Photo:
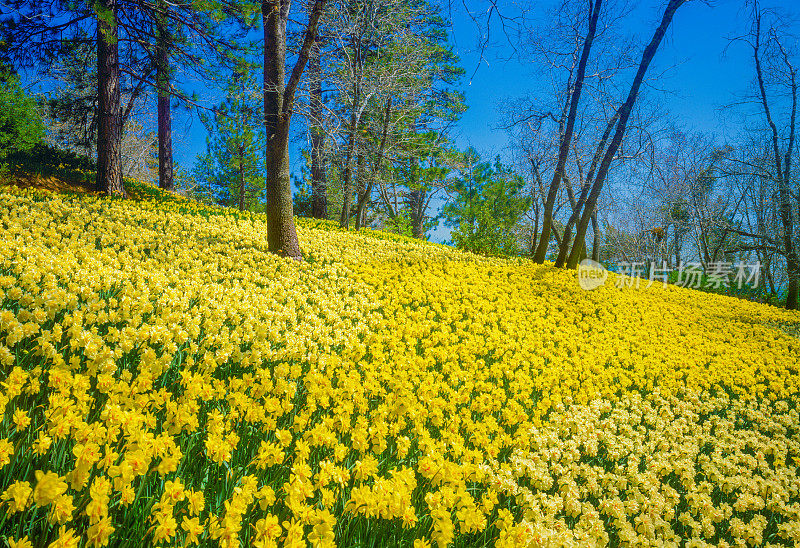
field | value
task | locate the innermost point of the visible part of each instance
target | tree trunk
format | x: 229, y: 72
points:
x: 596, y: 242
x: 165, y: 166
x: 418, y: 213
x: 624, y: 113
x: 566, y: 138
x: 241, y: 177
x: 563, y: 247
x: 792, y: 260
x: 360, y: 185
x: 278, y: 105
x: 344, y: 220
x: 782, y: 173
x: 362, y: 200
x: 415, y: 199
x: 109, y: 128
x: 319, y: 175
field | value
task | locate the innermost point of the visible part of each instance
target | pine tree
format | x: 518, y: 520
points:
x: 124, y: 33
x: 231, y: 171
x: 486, y: 209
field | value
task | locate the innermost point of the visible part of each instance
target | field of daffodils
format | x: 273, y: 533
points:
x: 166, y: 381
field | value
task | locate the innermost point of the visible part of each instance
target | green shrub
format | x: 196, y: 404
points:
x: 21, y: 126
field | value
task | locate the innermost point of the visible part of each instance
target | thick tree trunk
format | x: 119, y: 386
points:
x: 109, y: 127
x: 278, y: 105
x: 319, y: 175
x: 166, y: 178
x: 566, y: 138
x: 624, y: 113
x: 281, y: 233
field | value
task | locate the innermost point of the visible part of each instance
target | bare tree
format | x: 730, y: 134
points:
x: 367, y: 36
x: 580, y: 50
x: 389, y: 68
x: 619, y: 122
x: 782, y: 166
x: 766, y: 173
x: 566, y: 128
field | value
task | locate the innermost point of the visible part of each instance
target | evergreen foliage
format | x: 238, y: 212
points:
x: 486, y: 208
x: 21, y: 126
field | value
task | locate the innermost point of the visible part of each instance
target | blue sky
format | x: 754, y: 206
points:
x: 700, y: 81
x: 704, y: 75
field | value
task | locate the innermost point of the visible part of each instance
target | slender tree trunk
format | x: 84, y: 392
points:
x: 418, y: 213
x: 344, y: 220
x: 563, y: 248
x: 363, y: 199
x: 241, y: 177
x: 415, y: 199
x: 768, y: 275
x: 165, y: 166
x: 566, y: 138
x: 596, y: 242
x: 624, y: 113
x: 556, y: 235
x: 704, y: 246
x: 109, y: 127
x: 319, y: 175
x: 278, y: 106
x: 792, y: 259
x: 137, y: 91
x: 360, y: 185
x: 782, y: 172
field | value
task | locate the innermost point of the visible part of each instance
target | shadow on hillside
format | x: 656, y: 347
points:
x: 47, y: 168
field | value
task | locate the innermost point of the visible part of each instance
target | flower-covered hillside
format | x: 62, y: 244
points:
x: 167, y: 381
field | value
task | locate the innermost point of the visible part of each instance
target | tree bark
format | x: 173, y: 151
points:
x: 166, y: 178
x: 344, y: 220
x: 566, y: 138
x: 109, y: 128
x: 563, y: 248
x: 242, y: 185
x: 417, y: 199
x: 624, y: 113
x: 319, y: 183
x: 782, y: 172
x: 278, y: 106
x: 360, y: 185
x: 364, y: 198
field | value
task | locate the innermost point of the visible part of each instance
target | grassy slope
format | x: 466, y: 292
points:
x: 377, y: 348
